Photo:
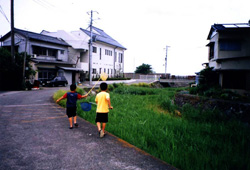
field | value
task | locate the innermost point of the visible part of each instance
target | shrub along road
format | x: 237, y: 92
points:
x: 34, y: 134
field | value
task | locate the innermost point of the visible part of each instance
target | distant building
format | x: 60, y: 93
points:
x: 229, y: 54
x: 67, y: 53
x: 49, y: 54
x: 107, y: 53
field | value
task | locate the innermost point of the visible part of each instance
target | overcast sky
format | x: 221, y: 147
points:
x: 144, y: 27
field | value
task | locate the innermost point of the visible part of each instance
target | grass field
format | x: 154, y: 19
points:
x: 185, y: 137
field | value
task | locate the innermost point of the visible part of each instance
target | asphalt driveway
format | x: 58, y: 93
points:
x: 34, y: 135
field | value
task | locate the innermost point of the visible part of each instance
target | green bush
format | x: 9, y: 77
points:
x: 110, y: 87
x: 59, y: 94
x: 118, y: 84
x: 134, y: 90
x: 193, y: 90
x: 80, y: 90
x: 213, y: 92
x: 166, y: 103
x: 141, y: 85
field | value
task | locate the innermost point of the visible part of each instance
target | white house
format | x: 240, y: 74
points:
x: 107, y: 53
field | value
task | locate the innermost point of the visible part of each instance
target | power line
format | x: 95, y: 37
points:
x: 43, y: 4
x: 2, y: 11
x: 46, y: 2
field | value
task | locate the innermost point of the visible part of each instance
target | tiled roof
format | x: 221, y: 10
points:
x: 103, y: 37
x: 39, y: 37
x: 223, y: 27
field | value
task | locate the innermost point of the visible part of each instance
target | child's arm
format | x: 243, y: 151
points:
x: 109, y: 103
x: 58, y: 100
x: 84, y: 96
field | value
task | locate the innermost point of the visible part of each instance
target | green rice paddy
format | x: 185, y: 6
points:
x: 186, y: 137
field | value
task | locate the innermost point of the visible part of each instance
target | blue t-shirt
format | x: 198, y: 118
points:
x: 72, y: 98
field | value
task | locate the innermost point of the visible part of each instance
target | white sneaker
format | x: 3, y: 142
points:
x: 101, y: 134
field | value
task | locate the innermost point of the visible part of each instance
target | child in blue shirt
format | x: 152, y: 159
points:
x: 72, y: 97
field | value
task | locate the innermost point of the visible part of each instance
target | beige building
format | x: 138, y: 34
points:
x: 49, y: 54
x: 229, y: 54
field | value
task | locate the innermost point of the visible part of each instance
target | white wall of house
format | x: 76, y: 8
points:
x: 78, y: 40
x: 212, y: 62
x: 106, y: 59
x: 101, y: 60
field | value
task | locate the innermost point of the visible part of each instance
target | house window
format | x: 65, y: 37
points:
x: 108, y: 52
x: 52, y: 52
x: 94, y: 49
x: 105, y: 70
x: 82, y: 57
x: 46, y: 74
x: 39, y: 50
x: 120, y: 57
x: 108, y: 71
x: 115, y: 56
x: 62, y: 52
x: 230, y: 45
x: 93, y: 71
x: 100, y: 70
x: 100, y: 53
x: 211, y: 50
x: 44, y: 51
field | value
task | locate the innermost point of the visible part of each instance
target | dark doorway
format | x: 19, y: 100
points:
x: 234, y: 80
x: 73, y: 77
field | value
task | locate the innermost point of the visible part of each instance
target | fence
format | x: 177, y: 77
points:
x: 158, y: 76
x: 150, y: 77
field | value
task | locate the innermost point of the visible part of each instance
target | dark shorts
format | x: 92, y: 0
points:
x: 71, y: 111
x: 101, y: 117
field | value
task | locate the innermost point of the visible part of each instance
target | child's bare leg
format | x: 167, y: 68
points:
x: 103, y: 127
x: 98, y: 126
x: 70, y: 121
x: 75, y: 120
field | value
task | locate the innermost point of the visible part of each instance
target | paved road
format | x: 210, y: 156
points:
x: 34, y: 135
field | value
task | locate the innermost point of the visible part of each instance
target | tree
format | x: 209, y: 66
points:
x: 209, y: 77
x: 11, y: 74
x: 144, y: 69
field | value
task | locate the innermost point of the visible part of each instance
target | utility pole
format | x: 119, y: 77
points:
x: 24, y: 59
x: 166, y: 60
x: 12, y: 31
x: 90, y: 47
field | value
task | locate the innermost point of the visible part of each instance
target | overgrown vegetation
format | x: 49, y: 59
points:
x: 209, y: 86
x: 187, y: 138
x: 11, y: 73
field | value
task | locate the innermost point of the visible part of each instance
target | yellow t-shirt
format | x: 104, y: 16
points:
x: 102, y: 102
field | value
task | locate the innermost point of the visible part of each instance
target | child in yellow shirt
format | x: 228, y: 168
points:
x: 103, y: 105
